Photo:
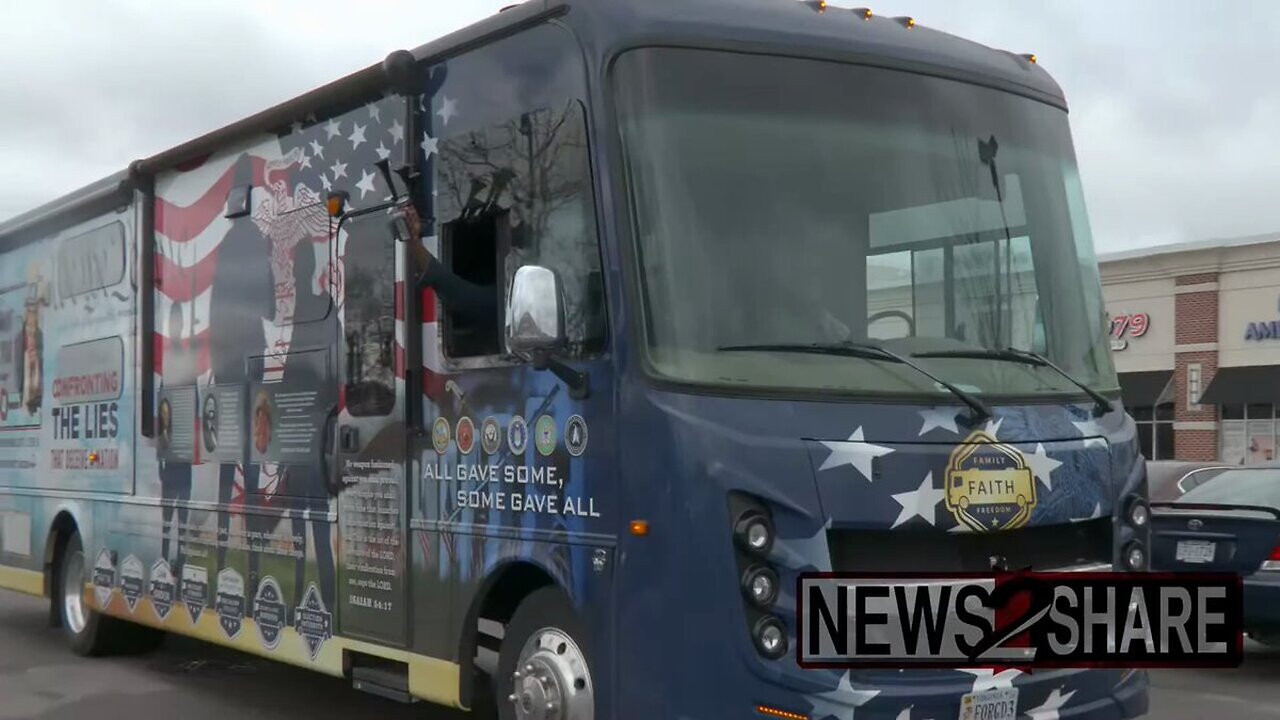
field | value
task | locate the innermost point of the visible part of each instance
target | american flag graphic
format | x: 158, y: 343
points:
x: 291, y: 173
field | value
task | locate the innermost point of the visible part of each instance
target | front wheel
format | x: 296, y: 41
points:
x: 89, y: 632
x: 544, y: 671
x: 86, y: 629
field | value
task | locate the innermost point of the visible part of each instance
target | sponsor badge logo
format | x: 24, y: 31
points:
x: 989, y: 485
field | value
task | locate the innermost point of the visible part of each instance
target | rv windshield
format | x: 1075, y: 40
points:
x: 786, y: 202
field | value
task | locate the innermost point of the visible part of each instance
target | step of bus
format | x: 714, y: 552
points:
x: 384, y: 678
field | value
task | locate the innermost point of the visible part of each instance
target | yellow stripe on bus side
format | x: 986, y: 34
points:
x: 30, y: 582
x: 430, y: 678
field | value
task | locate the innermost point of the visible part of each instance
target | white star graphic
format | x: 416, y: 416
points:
x: 448, y: 108
x: 397, y: 131
x: 801, y: 552
x: 1042, y: 466
x: 317, y: 149
x: 375, y: 113
x: 944, y: 418
x: 339, y: 170
x: 854, y: 451
x: 365, y: 186
x: 993, y: 427
x: 306, y: 160
x: 988, y: 679
x: 297, y: 126
x: 383, y: 152
x: 357, y: 136
x: 841, y: 702
x: 428, y: 144
x: 1049, y: 710
x: 921, y: 502
x: 333, y: 129
x: 1097, y: 513
x: 324, y: 180
x: 1092, y: 433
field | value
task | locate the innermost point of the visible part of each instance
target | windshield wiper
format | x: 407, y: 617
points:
x: 1026, y: 357
x: 867, y: 351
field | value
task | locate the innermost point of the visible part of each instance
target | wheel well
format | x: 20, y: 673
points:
x: 496, y: 600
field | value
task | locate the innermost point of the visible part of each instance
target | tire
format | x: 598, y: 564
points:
x: 89, y: 632
x: 545, y: 635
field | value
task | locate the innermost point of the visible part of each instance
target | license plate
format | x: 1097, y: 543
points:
x: 998, y: 704
x: 1195, y: 551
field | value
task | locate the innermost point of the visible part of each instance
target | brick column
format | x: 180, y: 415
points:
x: 1195, y: 323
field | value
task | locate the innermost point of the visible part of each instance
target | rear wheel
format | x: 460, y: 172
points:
x: 544, y: 671
x: 89, y: 632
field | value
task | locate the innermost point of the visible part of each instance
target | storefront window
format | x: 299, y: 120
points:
x: 1248, y: 434
x: 1155, y: 430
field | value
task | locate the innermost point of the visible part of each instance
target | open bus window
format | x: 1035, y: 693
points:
x: 474, y: 250
x: 369, y: 269
x: 509, y: 195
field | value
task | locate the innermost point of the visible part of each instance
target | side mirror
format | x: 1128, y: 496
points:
x: 535, y: 312
x: 535, y: 326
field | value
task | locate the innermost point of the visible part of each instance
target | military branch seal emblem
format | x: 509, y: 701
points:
x: 440, y: 435
x: 490, y: 436
x: 575, y: 435
x: 517, y: 436
x: 989, y: 485
x: 545, y: 434
x: 466, y: 435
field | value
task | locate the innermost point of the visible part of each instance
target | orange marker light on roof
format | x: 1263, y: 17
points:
x: 639, y: 528
x: 864, y: 13
x: 909, y: 23
x: 1031, y: 58
x: 774, y: 712
x: 336, y: 203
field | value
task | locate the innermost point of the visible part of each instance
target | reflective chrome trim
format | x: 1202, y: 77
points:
x: 1087, y: 567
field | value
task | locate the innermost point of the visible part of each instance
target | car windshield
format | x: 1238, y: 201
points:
x: 783, y: 201
x: 1238, y: 487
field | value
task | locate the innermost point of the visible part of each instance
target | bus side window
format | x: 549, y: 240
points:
x: 515, y: 194
x: 369, y: 267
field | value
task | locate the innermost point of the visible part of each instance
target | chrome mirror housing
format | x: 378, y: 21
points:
x: 535, y: 312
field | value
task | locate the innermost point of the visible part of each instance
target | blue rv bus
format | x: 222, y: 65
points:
x: 525, y: 371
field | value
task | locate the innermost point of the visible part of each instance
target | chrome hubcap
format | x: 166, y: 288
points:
x: 551, y: 680
x: 73, y: 610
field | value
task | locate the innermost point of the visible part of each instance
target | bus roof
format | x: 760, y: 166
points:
x: 805, y: 28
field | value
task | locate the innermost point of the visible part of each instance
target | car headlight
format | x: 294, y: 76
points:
x: 1139, y: 513
x: 760, y: 585
x: 754, y: 533
x: 770, y: 637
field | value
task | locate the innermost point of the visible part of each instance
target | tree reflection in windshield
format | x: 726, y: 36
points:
x: 796, y: 201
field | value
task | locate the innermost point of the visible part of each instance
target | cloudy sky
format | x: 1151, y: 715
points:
x: 1175, y: 109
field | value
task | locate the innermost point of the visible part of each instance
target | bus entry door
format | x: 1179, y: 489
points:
x: 370, y: 459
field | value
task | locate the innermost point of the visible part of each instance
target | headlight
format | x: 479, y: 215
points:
x: 1134, y: 556
x: 760, y: 584
x: 754, y: 533
x: 771, y: 637
x: 1139, y: 513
